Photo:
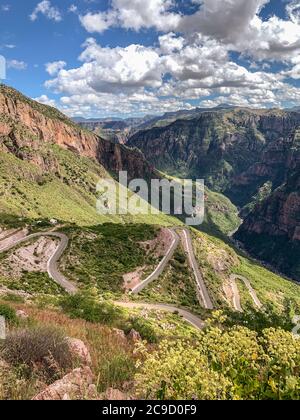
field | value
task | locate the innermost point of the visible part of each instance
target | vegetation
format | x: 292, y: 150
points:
x: 9, y: 314
x: 175, y: 286
x: 32, y: 282
x: 225, y: 364
x: 41, y: 351
x: 99, y: 256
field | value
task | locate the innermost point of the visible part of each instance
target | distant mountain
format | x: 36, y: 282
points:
x: 271, y: 231
x: 49, y: 166
x: 235, y: 151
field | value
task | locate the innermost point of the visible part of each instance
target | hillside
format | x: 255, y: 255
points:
x: 235, y: 151
x: 44, y: 154
x: 271, y: 231
x: 100, y: 338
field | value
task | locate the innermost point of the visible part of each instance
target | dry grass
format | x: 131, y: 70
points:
x: 112, y: 358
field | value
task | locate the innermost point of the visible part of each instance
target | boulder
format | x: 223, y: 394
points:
x: 77, y: 385
x: 79, y: 350
x: 134, y: 336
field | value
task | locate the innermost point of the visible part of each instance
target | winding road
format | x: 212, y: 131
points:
x: 52, y: 268
x: 236, y: 294
x: 184, y: 235
x: 186, y: 315
x: 188, y: 246
x: 55, y: 274
x: 202, y: 289
x: 161, y: 267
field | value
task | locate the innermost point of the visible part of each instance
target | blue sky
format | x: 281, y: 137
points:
x: 97, y: 58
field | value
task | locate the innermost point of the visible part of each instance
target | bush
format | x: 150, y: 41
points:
x: 86, y: 306
x: 41, y: 350
x: 145, y: 330
x: 11, y: 297
x: 235, y: 364
x: 9, y: 314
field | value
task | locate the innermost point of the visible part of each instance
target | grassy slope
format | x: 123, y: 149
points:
x: 99, y: 256
x: 175, y: 286
x: 218, y: 260
x: 66, y: 192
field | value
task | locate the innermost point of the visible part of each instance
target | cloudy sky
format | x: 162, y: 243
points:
x: 97, y: 58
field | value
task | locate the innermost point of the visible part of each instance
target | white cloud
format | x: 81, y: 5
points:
x: 133, y: 14
x: 43, y: 99
x: 54, y: 67
x: 45, y: 8
x: 16, y: 65
x: 111, y: 70
x: 97, y: 22
x: 192, y: 59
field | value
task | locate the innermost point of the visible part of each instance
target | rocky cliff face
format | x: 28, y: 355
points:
x: 272, y: 230
x: 235, y: 151
x: 25, y: 124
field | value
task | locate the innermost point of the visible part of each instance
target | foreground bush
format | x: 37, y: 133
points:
x: 233, y: 364
x: 87, y: 306
x: 41, y: 350
x: 9, y: 314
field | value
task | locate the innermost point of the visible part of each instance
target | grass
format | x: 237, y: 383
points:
x: 218, y: 261
x: 27, y: 191
x: 175, y: 286
x: 99, y: 256
x: 113, y: 358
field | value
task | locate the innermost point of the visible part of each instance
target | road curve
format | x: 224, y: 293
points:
x: 186, y: 315
x: 52, y: 268
x: 203, y: 292
x: 236, y: 294
x: 161, y: 267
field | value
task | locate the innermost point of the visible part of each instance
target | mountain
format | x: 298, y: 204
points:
x: 43, y: 154
x: 271, y: 232
x: 235, y: 151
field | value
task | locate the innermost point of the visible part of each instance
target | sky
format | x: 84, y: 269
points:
x: 124, y: 58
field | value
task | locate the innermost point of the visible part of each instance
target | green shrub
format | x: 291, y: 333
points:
x: 145, y: 330
x: 85, y: 305
x: 233, y: 364
x: 11, y: 297
x: 9, y: 314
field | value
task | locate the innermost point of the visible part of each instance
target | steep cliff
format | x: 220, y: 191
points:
x: 271, y: 231
x: 235, y: 151
x: 24, y: 124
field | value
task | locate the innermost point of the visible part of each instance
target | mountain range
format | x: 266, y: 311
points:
x: 250, y: 156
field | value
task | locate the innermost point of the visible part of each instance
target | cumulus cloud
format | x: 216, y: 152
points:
x: 192, y: 59
x: 16, y: 65
x: 43, y: 99
x: 54, y: 67
x: 111, y: 70
x: 134, y: 14
x: 45, y: 8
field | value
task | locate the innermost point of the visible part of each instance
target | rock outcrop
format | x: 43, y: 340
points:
x: 79, y: 350
x: 77, y: 385
x: 271, y: 231
x: 235, y: 151
x: 24, y: 121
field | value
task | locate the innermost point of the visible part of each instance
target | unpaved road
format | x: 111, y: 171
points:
x: 202, y: 289
x: 161, y: 267
x: 236, y: 294
x: 186, y: 315
x: 52, y: 268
